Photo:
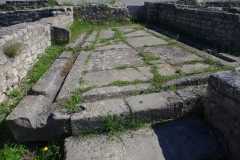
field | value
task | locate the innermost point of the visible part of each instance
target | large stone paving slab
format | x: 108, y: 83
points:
x: 111, y: 59
x: 145, y: 41
x: 155, y: 106
x: 137, y: 33
x: 106, y: 34
x: 171, y: 54
x: 184, y: 139
x: 188, y: 68
x: 106, y: 77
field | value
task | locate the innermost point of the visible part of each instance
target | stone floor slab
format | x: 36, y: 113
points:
x: 71, y: 83
x: 112, y: 47
x: 92, y: 116
x: 171, y: 54
x: 155, y: 106
x: 183, y: 139
x: 111, y: 59
x: 146, y: 71
x: 114, y: 91
x: 145, y: 41
x: 137, y: 33
x: 125, y: 29
x: 106, y: 77
x: 166, y: 69
x: 105, y: 34
x: 188, y: 68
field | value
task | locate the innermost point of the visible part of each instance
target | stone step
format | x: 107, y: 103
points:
x: 103, y: 93
x: 36, y: 119
x: 182, y: 139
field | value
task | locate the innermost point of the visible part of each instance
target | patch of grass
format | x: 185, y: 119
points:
x: 12, y: 49
x: 191, y: 62
x: 125, y: 67
x: 179, y: 71
x: 13, y: 93
x: 67, y: 4
x: 81, y: 81
x: 173, y: 88
x: 147, y: 58
x: 84, y: 72
x: 112, y: 126
x: 202, y: 81
x: 13, y: 152
x: 137, y: 92
x: 87, y: 60
x: 124, y: 83
x: 159, y: 79
x: 112, y: 2
x: 118, y: 34
x: 50, y: 152
x: 71, y: 103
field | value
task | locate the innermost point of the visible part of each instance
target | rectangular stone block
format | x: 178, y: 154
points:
x: 155, y: 106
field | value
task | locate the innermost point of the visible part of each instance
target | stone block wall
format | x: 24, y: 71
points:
x: 101, y: 13
x: 16, y: 17
x: 34, y: 38
x: 23, y: 5
x: 76, y: 2
x: 222, y: 108
x: 136, y: 12
x: 221, y: 28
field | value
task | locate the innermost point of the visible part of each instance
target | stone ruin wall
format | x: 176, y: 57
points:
x: 222, y: 108
x: 34, y: 38
x: 101, y: 13
x: 221, y: 28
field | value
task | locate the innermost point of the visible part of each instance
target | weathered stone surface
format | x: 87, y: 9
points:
x: 71, y: 82
x: 34, y: 120
x: 111, y: 59
x: 166, y: 69
x: 89, y: 40
x: 105, y: 34
x: 188, y: 68
x: 113, y: 47
x: 192, y: 97
x: 93, y: 114
x: 107, y: 77
x: 155, y: 106
x: 114, y: 91
x: 171, y: 54
x: 140, y: 33
x: 165, y: 142
x: 78, y: 42
x: 188, y: 80
x: 49, y: 84
x: 227, y: 83
x: 125, y: 29
x: 146, y: 71
x: 145, y: 41
x: 60, y: 36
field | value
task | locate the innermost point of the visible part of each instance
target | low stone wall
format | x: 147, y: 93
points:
x: 76, y: 2
x: 16, y: 17
x: 136, y: 12
x: 222, y: 108
x: 34, y: 38
x: 23, y: 5
x: 101, y: 13
x: 221, y: 28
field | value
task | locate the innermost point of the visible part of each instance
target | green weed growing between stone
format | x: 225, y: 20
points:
x: 147, y: 58
x: 12, y: 49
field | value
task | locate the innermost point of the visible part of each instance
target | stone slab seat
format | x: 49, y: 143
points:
x: 35, y: 120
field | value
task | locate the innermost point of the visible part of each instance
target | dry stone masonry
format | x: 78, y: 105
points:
x: 101, y: 13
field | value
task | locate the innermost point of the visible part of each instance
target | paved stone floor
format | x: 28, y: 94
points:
x: 121, y: 71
